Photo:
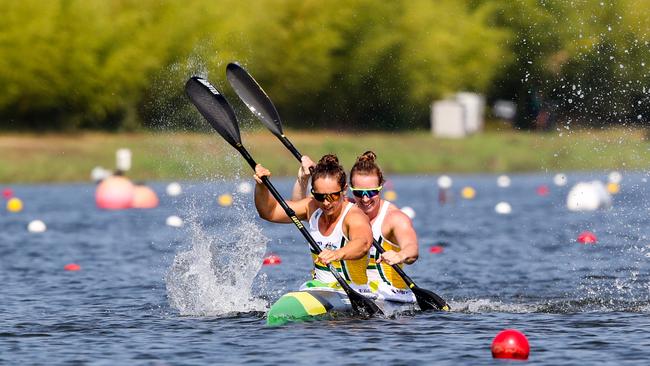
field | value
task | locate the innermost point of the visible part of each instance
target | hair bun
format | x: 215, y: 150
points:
x: 329, y: 159
x: 368, y: 156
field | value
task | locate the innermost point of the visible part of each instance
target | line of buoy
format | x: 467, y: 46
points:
x: 174, y: 189
x: 503, y: 208
x: 72, y: 267
x: 14, y: 204
x: 225, y: 200
x: 468, y: 193
x: 174, y: 221
x: 271, y: 260
x: 36, y: 226
x: 7, y: 193
x: 503, y: 181
x: 587, y: 237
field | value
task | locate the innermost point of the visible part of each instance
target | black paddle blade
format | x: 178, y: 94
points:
x: 363, y: 305
x: 252, y: 94
x: 429, y: 300
x: 214, y: 107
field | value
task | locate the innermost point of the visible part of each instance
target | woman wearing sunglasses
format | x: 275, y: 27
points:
x: 391, y: 228
x: 340, y: 228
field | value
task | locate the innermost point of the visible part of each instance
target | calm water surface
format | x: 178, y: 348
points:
x: 152, y: 294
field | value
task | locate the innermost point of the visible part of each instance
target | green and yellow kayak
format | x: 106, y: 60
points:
x: 315, y: 304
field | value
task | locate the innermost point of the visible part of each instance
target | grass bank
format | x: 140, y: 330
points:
x: 36, y: 158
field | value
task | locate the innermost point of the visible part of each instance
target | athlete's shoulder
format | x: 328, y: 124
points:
x: 395, y: 216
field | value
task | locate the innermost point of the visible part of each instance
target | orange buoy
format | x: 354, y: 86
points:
x: 144, y: 197
x: 72, y: 267
x: 271, y: 260
x: 114, y: 193
x: 436, y: 249
x: 512, y: 344
x: 587, y: 237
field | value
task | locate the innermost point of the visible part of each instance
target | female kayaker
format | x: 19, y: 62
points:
x: 391, y: 228
x: 341, y: 229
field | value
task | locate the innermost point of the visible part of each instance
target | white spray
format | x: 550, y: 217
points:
x: 215, y: 275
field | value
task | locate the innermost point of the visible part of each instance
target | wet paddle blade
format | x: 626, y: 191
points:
x: 214, y: 107
x: 252, y: 94
x: 428, y: 300
x: 363, y: 305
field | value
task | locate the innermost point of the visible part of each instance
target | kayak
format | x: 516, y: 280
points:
x: 316, y: 304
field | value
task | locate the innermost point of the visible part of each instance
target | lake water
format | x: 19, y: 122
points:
x: 152, y: 294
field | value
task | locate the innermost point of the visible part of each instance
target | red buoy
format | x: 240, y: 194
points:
x: 72, y: 267
x: 436, y: 249
x: 7, y: 193
x: 271, y: 260
x: 510, y: 343
x: 587, y: 237
x: 543, y: 190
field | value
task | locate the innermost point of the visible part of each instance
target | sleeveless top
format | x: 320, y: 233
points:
x: 353, y: 271
x: 384, y: 281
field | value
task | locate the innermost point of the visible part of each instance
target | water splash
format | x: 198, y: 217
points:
x: 475, y: 306
x: 215, y: 275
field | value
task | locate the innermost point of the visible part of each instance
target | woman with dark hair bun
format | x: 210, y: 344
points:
x: 391, y: 228
x: 341, y: 229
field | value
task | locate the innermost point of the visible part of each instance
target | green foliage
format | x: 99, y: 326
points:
x: 364, y: 64
x: 587, y: 58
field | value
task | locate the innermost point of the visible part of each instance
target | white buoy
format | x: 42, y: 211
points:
x: 408, y: 211
x: 174, y: 189
x: 245, y: 187
x: 503, y: 181
x: 174, y: 221
x: 36, y: 226
x: 560, y: 180
x: 588, y: 196
x: 503, y: 208
x: 445, y: 182
x: 123, y: 159
x: 615, y: 177
x: 98, y: 174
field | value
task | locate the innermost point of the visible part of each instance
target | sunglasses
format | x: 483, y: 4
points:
x: 368, y: 192
x: 330, y: 197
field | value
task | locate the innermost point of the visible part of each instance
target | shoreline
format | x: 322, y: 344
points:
x: 159, y: 156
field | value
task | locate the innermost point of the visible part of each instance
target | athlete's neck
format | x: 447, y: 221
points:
x: 372, y: 215
x: 334, y: 216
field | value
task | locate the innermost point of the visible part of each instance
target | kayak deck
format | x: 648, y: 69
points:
x: 315, y: 304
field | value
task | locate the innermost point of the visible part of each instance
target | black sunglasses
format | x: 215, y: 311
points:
x: 330, y: 197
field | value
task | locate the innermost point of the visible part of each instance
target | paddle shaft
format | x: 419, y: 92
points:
x: 291, y: 148
x: 292, y: 215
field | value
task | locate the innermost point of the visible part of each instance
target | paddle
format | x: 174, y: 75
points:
x: 252, y: 94
x: 217, y: 111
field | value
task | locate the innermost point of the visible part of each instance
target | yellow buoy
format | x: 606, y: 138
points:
x: 225, y: 200
x: 390, y: 196
x: 468, y: 193
x: 14, y: 205
x: 613, y: 188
